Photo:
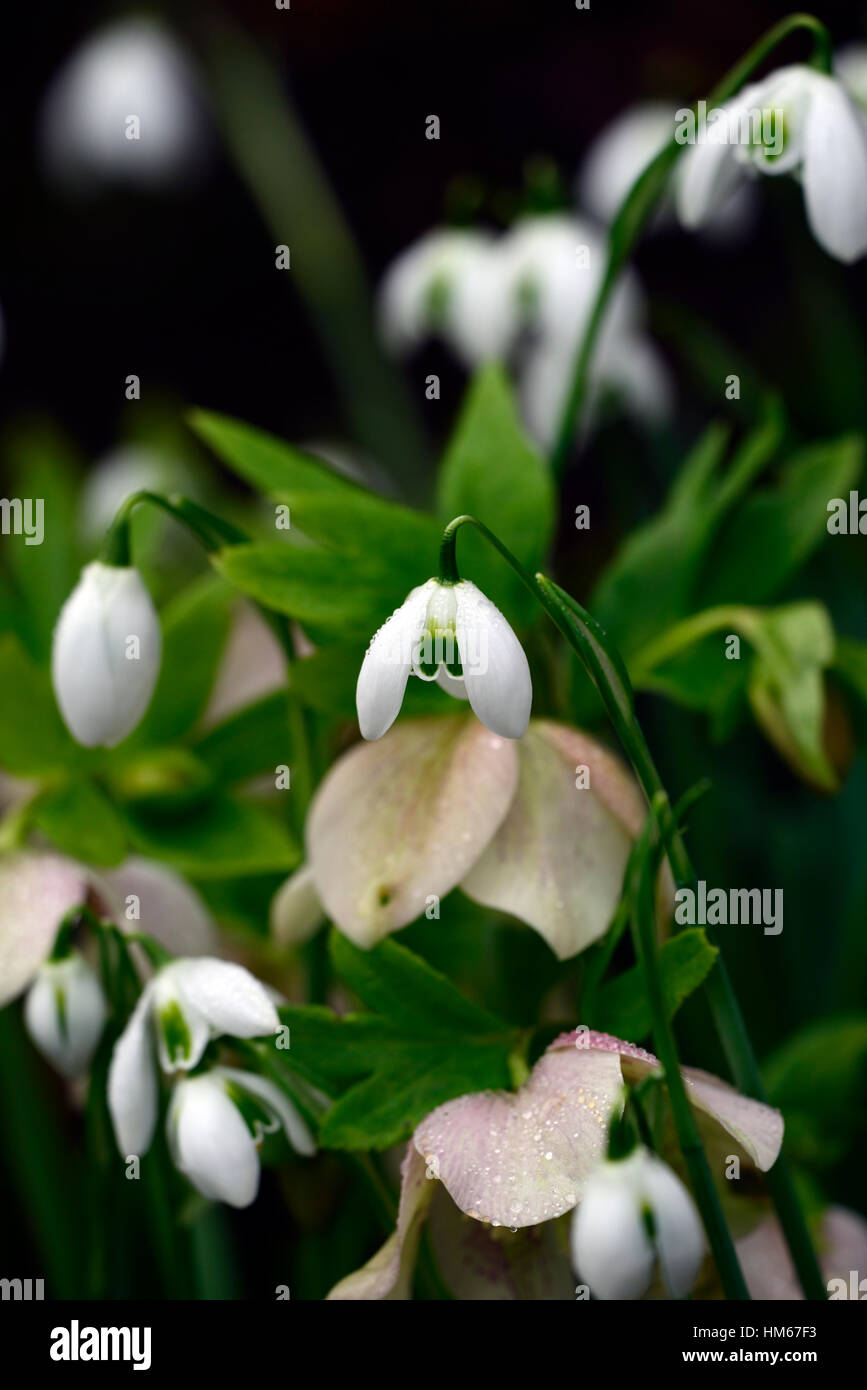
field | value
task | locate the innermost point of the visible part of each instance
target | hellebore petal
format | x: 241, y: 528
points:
x: 835, y: 170
x: 518, y: 1158
x: 210, y: 1141
x: 611, y: 1247
x: 296, y: 909
x: 388, y: 1274
x: 170, y: 910
x: 483, y: 1262
x: 132, y: 1081
x: 37, y: 890
x: 103, y: 686
x: 289, y: 1118
x: 396, y: 821
x: 65, y: 1013
x: 387, y: 663
x: 755, y: 1127
x: 496, y: 674
x: 558, y: 858
x: 228, y: 997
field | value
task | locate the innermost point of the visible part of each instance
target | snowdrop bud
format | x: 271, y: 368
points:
x: 453, y: 634
x: 635, y: 1212
x: 105, y: 657
x: 65, y: 1013
x: 217, y: 1122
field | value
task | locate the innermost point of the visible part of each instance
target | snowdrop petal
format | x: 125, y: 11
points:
x: 296, y: 910
x: 495, y: 669
x: 557, y: 861
x: 397, y: 821
x: 231, y: 999
x: 620, y: 153
x: 102, y: 686
x: 132, y: 1082
x: 708, y: 173
x: 517, y: 1158
x: 385, y: 670
x: 680, y: 1242
x: 835, y: 171
x: 611, y: 1250
x: 416, y: 292
x: 210, y: 1141
x: 453, y: 685
x: 293, y: 1123
x: 65, y: 1013
x: 37, y: 890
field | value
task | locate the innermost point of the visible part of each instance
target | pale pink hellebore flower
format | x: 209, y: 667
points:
x: 442, y: 802
x: 520, y: 1160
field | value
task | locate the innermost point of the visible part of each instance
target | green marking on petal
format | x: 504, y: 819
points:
x: 179, y: 1043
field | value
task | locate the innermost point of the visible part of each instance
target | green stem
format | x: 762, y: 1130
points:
x: 707, y: 1199
x: 641, y: 202
x: 608, y: 672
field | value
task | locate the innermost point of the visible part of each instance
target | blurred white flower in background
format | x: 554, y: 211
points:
x: 65, y: 1012
x: 131, y: 71
x: 624, y: 149
x: 114, y: 477
x: 824, y: 148
x: 527, y: 296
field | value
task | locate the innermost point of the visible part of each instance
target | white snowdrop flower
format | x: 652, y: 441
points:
x: 186, y: 1004
x: 824, y: 145
x: 636, y: 1213
x: 619, y: 154
x: 453, y: 634
x: 216, y: 1123
x: 105, y: 656
x: 850, y: 66
x: 65, y: 1013
x: 446, y: 283
x: 124, y: 108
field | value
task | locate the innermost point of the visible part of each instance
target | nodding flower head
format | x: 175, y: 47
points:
x: 453, y: 634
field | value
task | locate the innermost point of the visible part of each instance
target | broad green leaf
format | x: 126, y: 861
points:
x: 251, y: 741
x: 819, y: 1081
x: 268, y: 464
x: 493, y: 472
x: 394, y: 541
x: 33, y: 737
x: 622, y: 1005
x: 421, y: 1043
x: 42, y: 467
x: 310, y: 585
x: 220, y: 839
x: 776, y: 530
x: 80, y: 820
x: 195, y: 625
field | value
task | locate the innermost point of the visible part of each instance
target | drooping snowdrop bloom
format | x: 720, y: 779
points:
x: 453, y: 634
x: 516, y: 1162
x: 555, y: 268
x: 216, y: 1123
x: 105, y: 656
x: 124, y: 108
x: 824, y: 146
x: 447, y: 284
x: 184, y: 1006
x: 65, y: 1012
x: 636, y: 1213
x: 539, y: 828
x: 624, y: 149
